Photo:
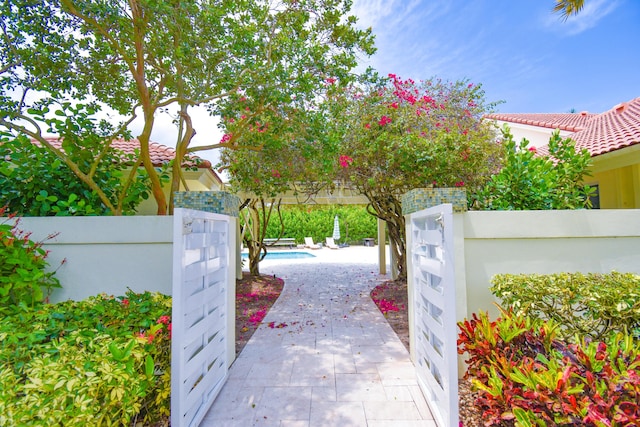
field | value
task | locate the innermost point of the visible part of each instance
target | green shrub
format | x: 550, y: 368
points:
x: 531, y: 182
x: 317, y: 222
x: 525, y: 376
x: 35, y: 182
x: 23, y: 279
x: 586, y: 305
x: 101, y: 361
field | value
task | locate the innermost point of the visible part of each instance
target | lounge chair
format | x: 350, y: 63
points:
x: 308, y: 243
x: 331, y: 244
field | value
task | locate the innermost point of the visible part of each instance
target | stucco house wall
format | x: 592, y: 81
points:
x: 612, y: 138
x: 201, y: 180
x: 536, y: 135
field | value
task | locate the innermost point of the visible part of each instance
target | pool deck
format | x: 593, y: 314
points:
x: 331, y: 358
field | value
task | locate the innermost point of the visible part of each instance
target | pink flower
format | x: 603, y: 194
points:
x: 330, y: 80
x: 533, y: 149
x: 393, y: 105
x: 164, y: 320
x: 125, y: 302
x: 275, y: 173
x: 225, y: 138
x: 257, y: 317
x: 385, y: 305
x: 460, y: 184
x: 367, y: 125
x: 345, y: 161
x: 384, y: 120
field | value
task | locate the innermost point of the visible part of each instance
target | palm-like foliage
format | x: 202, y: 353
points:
x: 568, y: 7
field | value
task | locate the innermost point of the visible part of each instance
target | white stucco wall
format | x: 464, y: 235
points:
x: 107, y: 254
x: 536, y: 135
x: 543, y: 242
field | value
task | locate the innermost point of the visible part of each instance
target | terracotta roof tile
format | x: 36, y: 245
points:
x: 570, y: 122
x: 616, y: 129
x: 160, y: 154
x: 598, y: 133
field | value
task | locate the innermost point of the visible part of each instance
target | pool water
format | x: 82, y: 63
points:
x: 284, y: 255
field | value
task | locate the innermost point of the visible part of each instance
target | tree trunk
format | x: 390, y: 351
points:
x: 256, y: 229
x: 389, y: 209
x: 255, y: 249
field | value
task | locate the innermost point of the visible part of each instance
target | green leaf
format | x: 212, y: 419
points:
x: 115, y: 351
x: 149, y: 366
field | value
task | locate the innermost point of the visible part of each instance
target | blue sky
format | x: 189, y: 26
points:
x: 521, y: 52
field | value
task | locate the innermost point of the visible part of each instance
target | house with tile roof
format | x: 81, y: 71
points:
x: 612, y: 138
x: 199, y: 174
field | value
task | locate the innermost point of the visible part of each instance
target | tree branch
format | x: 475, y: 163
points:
x: 92, y: 22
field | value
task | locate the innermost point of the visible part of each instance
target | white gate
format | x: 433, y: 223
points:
x: 431, y: 270
x: 202, y: 257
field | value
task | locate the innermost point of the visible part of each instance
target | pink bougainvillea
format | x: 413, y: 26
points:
x: 257, y: 317
x: 345, y: 161
x: 385, y: 305
x: 384, y: 120
x: 225, y: 138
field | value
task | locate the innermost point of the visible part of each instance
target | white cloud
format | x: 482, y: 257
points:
x: 165, y: 131
x: 587, y: 18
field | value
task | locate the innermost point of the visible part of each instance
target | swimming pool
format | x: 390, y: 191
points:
x: 284, y: 255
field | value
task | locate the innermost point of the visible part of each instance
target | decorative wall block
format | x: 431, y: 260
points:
x: 423, y: 198
x: 219, y: 202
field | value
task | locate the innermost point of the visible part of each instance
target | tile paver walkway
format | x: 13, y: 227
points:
x: 336, y: 363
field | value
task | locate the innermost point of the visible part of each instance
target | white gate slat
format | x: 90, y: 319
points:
x: 431, y: 237
x: 433, y: 327
x: 430, y: 294
x: 205, y: 385
x: 203, y: 358
x: 432, y: 266
x: 195, y: 270
x: 198, y: 329
x: 199, y: 347
x: 434, y: 310
x: 209, y: 295
x: 202, y: 268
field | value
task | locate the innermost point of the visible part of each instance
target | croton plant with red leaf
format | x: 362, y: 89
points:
x: 526, y: 376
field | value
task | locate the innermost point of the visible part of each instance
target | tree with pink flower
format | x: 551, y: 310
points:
x: 294, y: 154
x: 401, y: 134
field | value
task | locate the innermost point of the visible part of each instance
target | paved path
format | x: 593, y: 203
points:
x: 336, y: 363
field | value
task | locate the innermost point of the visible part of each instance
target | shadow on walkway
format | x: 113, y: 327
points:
x: 330, y: 359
